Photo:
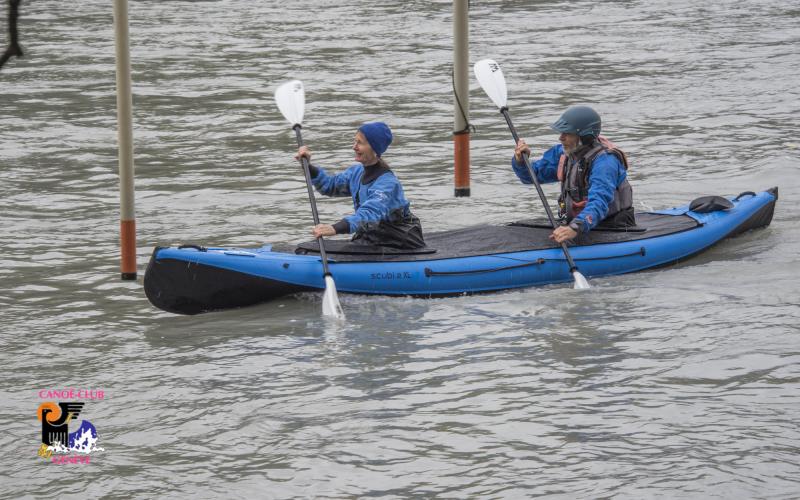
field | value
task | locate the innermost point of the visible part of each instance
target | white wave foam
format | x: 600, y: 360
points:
x: 85, y: 443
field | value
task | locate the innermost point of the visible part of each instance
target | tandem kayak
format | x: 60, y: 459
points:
x: 191, y: 279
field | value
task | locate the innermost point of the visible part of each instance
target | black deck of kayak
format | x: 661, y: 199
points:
x: 488, y: 239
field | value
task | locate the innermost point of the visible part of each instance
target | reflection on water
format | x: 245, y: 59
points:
x: 675, y: 382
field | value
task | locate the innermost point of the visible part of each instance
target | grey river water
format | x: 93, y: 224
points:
x: 677, y: 383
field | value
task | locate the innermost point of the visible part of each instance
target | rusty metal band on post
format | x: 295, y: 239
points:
x: 461, y: 159
x: 127, y: 232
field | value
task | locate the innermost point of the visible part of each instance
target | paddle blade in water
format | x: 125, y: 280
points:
x: 490, y: 76
x: 291, y: 100
x: 580, y: 281
x: 330, y: 300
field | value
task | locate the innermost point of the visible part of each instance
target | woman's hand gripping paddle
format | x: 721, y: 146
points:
x: 490, y: 77
x: 291, y: 100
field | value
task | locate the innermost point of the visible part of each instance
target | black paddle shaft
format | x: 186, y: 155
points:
x: 313, y: 201
x: 570, y: 262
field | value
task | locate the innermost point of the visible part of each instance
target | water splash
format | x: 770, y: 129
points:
x: 84, y: 440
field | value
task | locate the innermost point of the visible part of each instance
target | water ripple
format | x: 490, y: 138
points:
x: 679, y: 382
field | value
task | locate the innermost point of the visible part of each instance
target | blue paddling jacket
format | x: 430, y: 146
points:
x: 382, y: 212
x: 607, y: 188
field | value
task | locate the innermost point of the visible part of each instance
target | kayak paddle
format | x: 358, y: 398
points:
x: 490, y: 77
x: 291, y: 100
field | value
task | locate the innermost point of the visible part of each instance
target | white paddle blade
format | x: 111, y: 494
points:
x: 580, y: 281
x: 490, y: 76
x: 330, y: 300
x: 291, y: 100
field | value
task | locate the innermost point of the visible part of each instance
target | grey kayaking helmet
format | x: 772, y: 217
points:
x: 580, y: 120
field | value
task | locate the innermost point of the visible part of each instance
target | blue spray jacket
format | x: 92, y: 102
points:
x: 606, y: 175
x: 373, y: 202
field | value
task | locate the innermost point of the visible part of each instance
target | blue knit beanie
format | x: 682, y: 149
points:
x: 378, y: 135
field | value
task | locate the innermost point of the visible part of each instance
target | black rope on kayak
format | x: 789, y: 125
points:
x: 469, y: 126
x: 642, y: 251
x: 430, y: 272
x: 13, y: 44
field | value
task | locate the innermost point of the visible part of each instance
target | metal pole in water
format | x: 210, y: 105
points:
x: 461, y: 95
x: 125, y: 139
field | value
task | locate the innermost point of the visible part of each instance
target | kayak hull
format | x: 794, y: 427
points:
x: 195, y: 279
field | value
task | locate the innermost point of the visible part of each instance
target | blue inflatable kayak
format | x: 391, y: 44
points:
x: 191, y: 279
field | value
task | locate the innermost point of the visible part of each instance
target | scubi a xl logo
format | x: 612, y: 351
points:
x: 58, y: 444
